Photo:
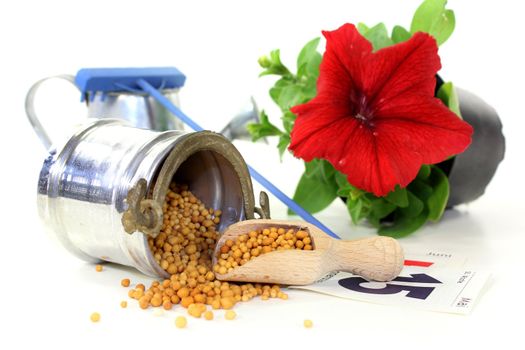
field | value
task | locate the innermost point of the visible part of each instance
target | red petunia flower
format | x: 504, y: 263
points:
x: 375, y: 117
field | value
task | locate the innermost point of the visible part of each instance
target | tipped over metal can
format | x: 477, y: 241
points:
x: 101, y: 194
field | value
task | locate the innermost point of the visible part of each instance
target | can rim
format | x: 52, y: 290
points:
x: 186, y: 146
x: 192, y: 143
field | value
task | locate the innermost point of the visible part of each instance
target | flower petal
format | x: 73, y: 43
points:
x: 374, y: 117
x: 410, y: 133
x: 369, y: 162
x: 409, y: 67
x: 342, y: 65
x: 426, y: 125
x: 319, y: 128
x: 375, y: 164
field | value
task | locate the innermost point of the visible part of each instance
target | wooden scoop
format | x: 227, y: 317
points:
x: 376, y: 258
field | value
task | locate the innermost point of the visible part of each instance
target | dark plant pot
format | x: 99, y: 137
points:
x: 470, y: 172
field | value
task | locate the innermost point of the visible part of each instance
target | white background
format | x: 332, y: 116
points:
x: 47, y: 295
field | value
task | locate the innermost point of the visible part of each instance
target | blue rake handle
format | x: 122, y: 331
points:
x: 290, y: 203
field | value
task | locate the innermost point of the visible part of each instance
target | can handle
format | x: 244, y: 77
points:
x: 31, y: 114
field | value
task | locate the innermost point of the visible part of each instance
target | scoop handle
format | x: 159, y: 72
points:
x: 375, y: 259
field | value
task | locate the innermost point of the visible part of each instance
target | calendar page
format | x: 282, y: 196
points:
x: 431, y: 281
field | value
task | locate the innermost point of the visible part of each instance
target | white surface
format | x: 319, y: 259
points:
x: 47, y: 295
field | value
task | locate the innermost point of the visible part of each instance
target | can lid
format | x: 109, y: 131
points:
x: 105, y: 80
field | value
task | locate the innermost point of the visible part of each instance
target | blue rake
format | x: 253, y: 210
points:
x: 151, y: 81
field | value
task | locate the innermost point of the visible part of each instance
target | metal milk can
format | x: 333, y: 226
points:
x: 137, y: 107
x: 101, y: 194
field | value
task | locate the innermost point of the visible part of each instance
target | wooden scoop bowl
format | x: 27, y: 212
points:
x: 375, y: 259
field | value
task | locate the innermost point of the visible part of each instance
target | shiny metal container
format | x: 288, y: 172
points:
x: 101, y: 195
x: 138, y: 108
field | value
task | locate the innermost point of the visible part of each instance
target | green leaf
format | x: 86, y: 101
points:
x: 437, y: 201
x: 378, y: 36
x: 403, y: 225
x: 356, y: 192
x: 448, y: 95
x: 380, y: 208
x: 273, y: 65
x: 420, y: 188
x: 350, y: 191
x: 424, y: 172
x: 398, y: 197
x: 431, y: 17
x: 414, y: 208
x: 354, y: 207
x: 327, y: 170
x: 320, y: 169
x: 400, y: 34
x: 344, y: 188
x: 444, y: 27
x: 263, y: 129
x: 284, y: 141
x: 288, y: 119
x: 314, y: 195
x: 308, y: 88
x: 275, y: 90
x: 286, y: 94
x: 344, y: 192
x: 309, y: 59
x: 290, y: 90
x: 358, y: 208
x: 341, y: 180
x: 312, y: 169
x: 362, y: 28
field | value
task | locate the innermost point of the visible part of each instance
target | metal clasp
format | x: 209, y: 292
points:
x: 144, y: 215
x: 264, y: 210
